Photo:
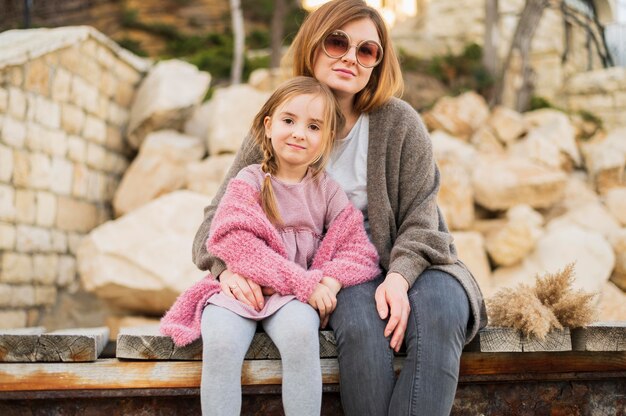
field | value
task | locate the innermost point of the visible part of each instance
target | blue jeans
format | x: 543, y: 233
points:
x: 434, y: 339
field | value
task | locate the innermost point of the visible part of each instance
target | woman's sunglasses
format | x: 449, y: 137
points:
x: 337, y: 44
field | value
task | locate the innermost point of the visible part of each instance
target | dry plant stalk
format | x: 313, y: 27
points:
x: 551, y: 304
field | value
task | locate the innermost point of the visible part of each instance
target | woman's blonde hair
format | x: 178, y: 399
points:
x: 332, y: 122
x: 386, y: 79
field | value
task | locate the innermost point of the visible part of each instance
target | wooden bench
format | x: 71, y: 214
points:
x: 571, y: 372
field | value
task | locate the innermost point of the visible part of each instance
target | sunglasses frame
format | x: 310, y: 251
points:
x: 350, y: 45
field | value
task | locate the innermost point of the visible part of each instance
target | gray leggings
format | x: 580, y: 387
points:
x: 226, y: 338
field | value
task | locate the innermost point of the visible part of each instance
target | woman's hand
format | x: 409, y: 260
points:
x: 324, y: 301
x: 242, y: 289
x: 392, y: 294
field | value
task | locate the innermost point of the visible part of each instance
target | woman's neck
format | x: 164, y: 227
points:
x: 346, y: 104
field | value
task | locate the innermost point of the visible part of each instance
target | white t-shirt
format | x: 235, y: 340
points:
x: 348, y: 165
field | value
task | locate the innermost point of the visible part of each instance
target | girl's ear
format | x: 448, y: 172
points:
x: 267, y: 122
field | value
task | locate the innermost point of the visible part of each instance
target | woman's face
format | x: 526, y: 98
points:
x: 344, y: 76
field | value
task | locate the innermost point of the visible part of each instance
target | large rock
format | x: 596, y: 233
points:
x: 456, y: 197
x: 615, y: 200
x: 159, y: 168
x: 512, y: 242
x: 540, y: 151
x: 503, y: 182
x: 554, y: 127
x: 206, y: 177
x: 142, y: 261
x: 592, y: 254
x: 166, y: 98
x: 447, y: 148
x: 198, y: 123
x: 592, y: 216
x: 485, y: 141
x: 605, y: 162
x: 232, y: 110
x: 470, y: 248
x: 618, y: 241
x: 508, y: 125
x: 612, y: 304
x: 459, y: 116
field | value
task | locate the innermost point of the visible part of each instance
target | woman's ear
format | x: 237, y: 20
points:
x: 267, y: 122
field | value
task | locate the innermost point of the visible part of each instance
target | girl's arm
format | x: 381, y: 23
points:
x: 248, y: 154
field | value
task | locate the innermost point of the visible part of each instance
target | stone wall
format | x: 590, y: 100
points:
x: 602, y: 92
x: 64, y: 103
x: 449, y: 25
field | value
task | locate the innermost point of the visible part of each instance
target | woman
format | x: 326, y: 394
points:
x: 425, y: 297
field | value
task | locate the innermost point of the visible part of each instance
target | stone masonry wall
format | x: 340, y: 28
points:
x: 602, y: 92
x: 64, y: 103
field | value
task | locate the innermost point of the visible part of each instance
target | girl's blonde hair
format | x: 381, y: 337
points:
x: 386, y: 79
x: 333, y: 121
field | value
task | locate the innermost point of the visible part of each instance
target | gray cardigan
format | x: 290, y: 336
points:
x: 406, y: 225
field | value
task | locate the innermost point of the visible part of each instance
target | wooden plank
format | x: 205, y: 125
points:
x: 601, y: 336
x: 494, y: 339
x: 19, y: 345
x: 72, y: 345
x: 146, y: 343
x: 105, y: 374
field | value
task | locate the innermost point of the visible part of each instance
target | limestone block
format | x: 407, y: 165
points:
x: 612, y: 304
x: 124, y: 94
x: 26, y: 206
x: 94, y: 130
x: 61, y: 85
x: 6, y: 163
x: 605, y: 163
x: 117, y: 115
x: 76, y: 149
x: 508, y: 125
x: 267, y: 79
x: 45, y: 295
x: 45, y: 268
x: 165, y: 99
x: 198, y: 123
x: 510, y: 244
x: 470, y: 247
x: 13, y: 132
x: 141, y: 261
x: 66, y: 273
x: 47, y: 113
x: 74, y: 240
x: 37, y: 78
x: 115, y: 140
x: 61, y: 176
x: 13, y: 319
x: 96, y: 156
x: 126, y: 73
x: 115, y: 163
x: 556, y: 128
x: 503, y: 182
x: 205, y: 177
x: 159, y: 168
x: 59, y: 241
x: 232, y: 110
x: 539, y: 151
x: 33, y: 239
x: 108, y: 84
x: 16, y: 268
x: 4, y: 100
x: 7, y: 203
x: 46, y: 209
x: 592, y: 254
x: 72, y: 119
x: 615, y: 200
x: 616, y: 139
x: 7, y: 236
x: 460, y: 116
x: 32, y: 170
x: 485, y: 141
x: 74, y: 215
x: 84, y: 95
x: 592, y: 216
x: 618, y: 241
x: 456, y: 196
x: 80, y: 182
x: 16, y: 296
x: 451, y: 149
x: 17, y: 103
x: 105, y: 57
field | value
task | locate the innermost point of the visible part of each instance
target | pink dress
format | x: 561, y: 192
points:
x: 306, y: 208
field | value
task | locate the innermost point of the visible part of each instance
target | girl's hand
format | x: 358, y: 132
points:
x: 242, y: 289
x: 392, y: 294
x: 332, y: 283
x: 324, y: 301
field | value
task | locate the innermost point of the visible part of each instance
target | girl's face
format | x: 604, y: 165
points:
x: 345, y: 76
x: 295, y: 130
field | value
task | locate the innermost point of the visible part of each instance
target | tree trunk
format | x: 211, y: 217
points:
x: 239, y: 35
x: 278, y: 29
x: 515, y: 84
x: 490, y: 49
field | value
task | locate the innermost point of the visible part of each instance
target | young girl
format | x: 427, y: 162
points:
x: 286, y: 225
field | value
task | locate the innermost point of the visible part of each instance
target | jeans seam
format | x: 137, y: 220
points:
x: 416, y: 372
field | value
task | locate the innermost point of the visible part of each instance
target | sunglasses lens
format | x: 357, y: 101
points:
x: 336, y: 45
x: 369, y: 54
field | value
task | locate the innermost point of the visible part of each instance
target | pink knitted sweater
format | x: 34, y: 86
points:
x: 250, y: 245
